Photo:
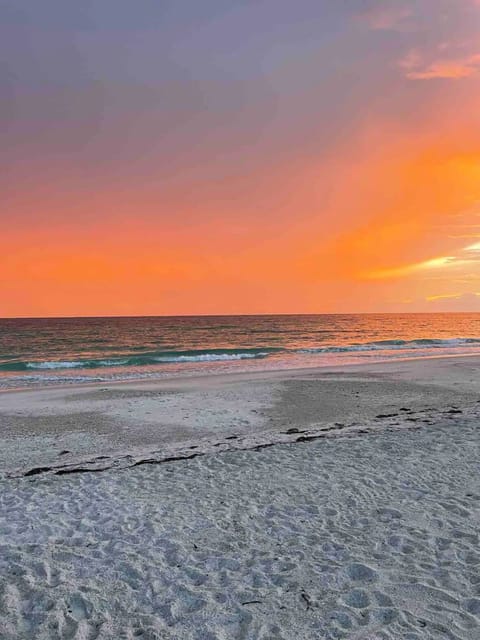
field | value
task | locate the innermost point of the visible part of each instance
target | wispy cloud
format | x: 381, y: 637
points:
x: 454, y: 301
x: 448, y: 301
x: 386, y: 18
x: 431, y: 265
x: 405, y: 270
x: 455, y: 68
x: 473, y: 247
x: 448, y: 69
x: 448, y: 296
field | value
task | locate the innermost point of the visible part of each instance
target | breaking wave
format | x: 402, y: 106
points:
x: 392, y: 345
x: 136, y: 360
x: 147, y: 359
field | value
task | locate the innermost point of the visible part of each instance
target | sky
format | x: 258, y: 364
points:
x: 239, y: 156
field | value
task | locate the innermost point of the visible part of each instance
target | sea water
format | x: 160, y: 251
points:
x: 49, y: 351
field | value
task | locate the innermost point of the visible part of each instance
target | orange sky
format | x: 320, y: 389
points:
x: 329, y: 163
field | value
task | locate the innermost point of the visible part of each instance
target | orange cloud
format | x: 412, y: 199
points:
x: 441, y: 69
x: 447, y: 296
x: 433, y: 263
x: 448, y: 302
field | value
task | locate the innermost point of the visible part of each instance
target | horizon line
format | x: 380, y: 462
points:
x: 233, y: 315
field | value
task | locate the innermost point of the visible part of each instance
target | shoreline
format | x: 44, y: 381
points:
x: 259, y: 373
x: 100, y: 426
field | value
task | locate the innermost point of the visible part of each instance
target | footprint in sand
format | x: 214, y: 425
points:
x: 385, y: 616
x: 361, y: 572
x: 472, y: 605
x: 358, y: 599
x: 382, y: 599
x: 79, y: 608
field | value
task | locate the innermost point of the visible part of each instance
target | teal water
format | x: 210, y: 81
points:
x: 61, y: 350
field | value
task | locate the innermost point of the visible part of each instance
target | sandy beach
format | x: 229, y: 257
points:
x: 326, y: 503
x: 240, y: 320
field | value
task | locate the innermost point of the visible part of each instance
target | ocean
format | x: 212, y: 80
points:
x: 52, y: 351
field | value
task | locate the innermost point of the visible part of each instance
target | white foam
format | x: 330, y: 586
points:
x: 51, y: 364
x: 211, y: 357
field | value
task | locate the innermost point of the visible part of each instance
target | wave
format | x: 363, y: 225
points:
x: 135, y: 359
x: 392, y: 345
x: 145, y: 359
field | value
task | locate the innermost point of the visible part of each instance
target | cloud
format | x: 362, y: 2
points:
x: 454, y: 302
x: 466, y: 301
x: 448, y: 69
x: 426, y: 265
x: 431, y: 265
x: 386, y: 18
x: 473, y: 247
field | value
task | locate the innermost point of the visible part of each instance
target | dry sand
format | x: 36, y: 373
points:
x: 310, y: 504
